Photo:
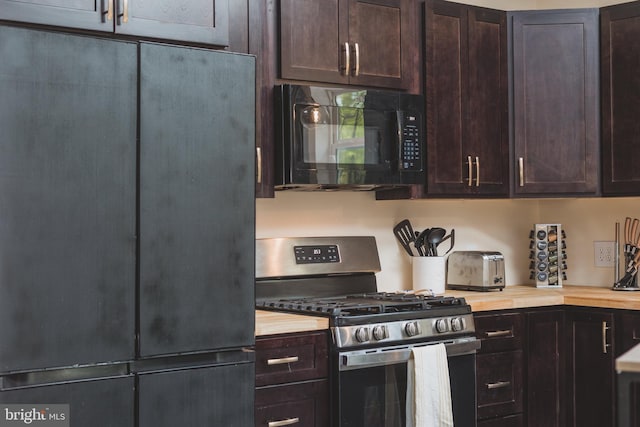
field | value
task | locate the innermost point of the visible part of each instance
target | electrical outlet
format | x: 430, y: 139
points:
x: 604, y: 254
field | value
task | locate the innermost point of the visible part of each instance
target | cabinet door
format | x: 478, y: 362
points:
x: 86, y: 14
x: 313, y: 34
x: 197, y: 216
x: 545, y: 369
x: 590, y: 377
x: 67, y: 199
x: 619, y: 32
x: 203, y: 21
x: 446, y: 87
x: 466, y: 95
x: 555, y: 102
x: 487, y: 123
x: 382, y: 37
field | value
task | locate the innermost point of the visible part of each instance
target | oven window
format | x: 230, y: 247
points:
x: 373, y: 397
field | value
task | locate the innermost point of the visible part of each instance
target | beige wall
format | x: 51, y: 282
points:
x: 501, y: 225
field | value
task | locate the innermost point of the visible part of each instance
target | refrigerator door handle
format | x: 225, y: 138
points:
x: 64, y: 375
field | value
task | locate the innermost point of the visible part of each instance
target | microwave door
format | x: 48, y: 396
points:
x: 345, y: 145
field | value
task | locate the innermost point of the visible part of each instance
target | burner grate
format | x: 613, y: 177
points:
x: 364, y: 304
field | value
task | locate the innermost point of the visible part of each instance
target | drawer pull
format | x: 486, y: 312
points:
x: 282, y: 361
x: 503, y: 333
x: 286, y: 422
x: 499, y: 384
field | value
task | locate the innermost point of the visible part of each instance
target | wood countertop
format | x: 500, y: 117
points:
x: 269, y: 322
x: 272, y: 322
x: 530, y: 296
x: 629, y: 361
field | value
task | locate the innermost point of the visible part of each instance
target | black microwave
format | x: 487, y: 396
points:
x: 347, y: 138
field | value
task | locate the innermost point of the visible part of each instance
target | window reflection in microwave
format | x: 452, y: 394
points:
x: 346, y: 136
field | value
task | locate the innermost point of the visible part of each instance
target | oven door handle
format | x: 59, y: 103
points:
x: 359, y: 359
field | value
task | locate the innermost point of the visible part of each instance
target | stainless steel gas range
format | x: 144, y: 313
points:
x: 372, y: 332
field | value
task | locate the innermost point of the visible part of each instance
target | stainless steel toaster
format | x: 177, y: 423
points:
x: 475, y: 270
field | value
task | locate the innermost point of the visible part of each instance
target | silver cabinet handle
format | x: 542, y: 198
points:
x: 109, y: 11
x: 503, y: 333
x: 286, y: 422
x: 470, y: 170
x: 356, y: 51
x: 477, y: 171
x: 282, y: 360
x: 347, y: 63
x: 499, y: 384
x: 521, y: 170
x: 259, y: 165
x: 125, y: 11
x: 604, y: 337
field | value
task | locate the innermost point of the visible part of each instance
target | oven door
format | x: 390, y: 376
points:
x: 372, y: 385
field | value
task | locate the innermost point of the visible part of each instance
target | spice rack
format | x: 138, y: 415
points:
x: 548, y: 255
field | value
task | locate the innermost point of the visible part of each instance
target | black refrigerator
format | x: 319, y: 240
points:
x: 127, y: 230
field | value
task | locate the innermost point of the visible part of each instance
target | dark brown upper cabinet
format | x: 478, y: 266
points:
x: 620, y: 92
x: 201, y: 21
x: 358, y: 42
x: 555, y: 112
x: 466, y: 82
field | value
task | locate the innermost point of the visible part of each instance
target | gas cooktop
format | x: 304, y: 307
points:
x: 363, y: 304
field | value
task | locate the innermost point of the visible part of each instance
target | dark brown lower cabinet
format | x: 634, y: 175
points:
x: 499, y: 383
x: 545, y: 368
x: 292, y: 380
x: 590, y: 398
x: 300, y: 404
x: 499, y: 368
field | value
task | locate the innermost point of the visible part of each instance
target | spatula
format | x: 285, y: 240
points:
x: 405, y: 235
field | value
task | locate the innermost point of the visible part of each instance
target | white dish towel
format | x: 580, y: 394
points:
x: 428, y: 388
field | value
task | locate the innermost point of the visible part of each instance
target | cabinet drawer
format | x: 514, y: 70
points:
x: 508, y: 421
x: 288, y: 358
x: 300, y: 405
x: 500, y: 332
x: 499, y: 384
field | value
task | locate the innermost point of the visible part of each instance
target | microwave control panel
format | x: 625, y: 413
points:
x: 410, y: 147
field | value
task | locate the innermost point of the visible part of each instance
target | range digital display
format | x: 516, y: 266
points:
x: 316, y: 254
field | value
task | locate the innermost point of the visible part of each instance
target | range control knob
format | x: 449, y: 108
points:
x: 412, y: 329
x: 442, y: 325
x: 379, y: 332
x: 362, y: 334
x: 458, y: 324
